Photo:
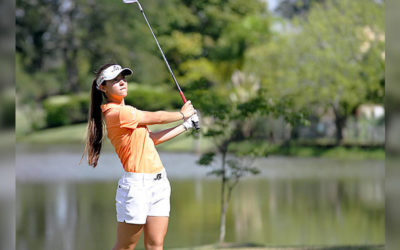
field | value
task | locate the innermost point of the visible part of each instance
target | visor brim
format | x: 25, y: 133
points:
x: 111, y: 75
x: 124, y: 72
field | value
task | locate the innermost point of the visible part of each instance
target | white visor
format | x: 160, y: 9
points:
x: 112, y: 72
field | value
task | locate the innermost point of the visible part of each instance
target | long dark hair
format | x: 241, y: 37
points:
x: 95, y: 123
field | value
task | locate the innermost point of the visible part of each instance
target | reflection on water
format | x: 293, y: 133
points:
x: 315, y: 210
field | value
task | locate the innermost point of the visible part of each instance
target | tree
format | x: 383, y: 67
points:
x: 332, y: 58
x: 231, y: 172
x: 67, y: 40
x: 227, y: 97
x: 345, y: 42
x: 292, y: 8
x: 49, y: 37
x: 215, y: 52
x: 228, y: 115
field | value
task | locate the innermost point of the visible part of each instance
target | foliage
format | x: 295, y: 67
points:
x: 152, y: 99
x: 29, y: 118
x: 32, y: 88
x: 206, y: 159
x: 318, y: 63
x: 229, y: 119
x: 76, y: 37
x: 54, y: 38
x: 234, y: 61
x: 66, y: 109
x: 237, y: 167
x: 292, y: 8
x: 333, y: 58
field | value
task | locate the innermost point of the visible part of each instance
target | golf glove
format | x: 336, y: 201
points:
x: 188, y: 122
x: 195, y: 120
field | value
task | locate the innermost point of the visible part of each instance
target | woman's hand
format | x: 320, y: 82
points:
x: 187, y: 110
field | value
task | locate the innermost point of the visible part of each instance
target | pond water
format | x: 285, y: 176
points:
x: 293, y: 201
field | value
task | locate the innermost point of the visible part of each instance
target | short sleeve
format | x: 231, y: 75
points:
x: 129, y: 117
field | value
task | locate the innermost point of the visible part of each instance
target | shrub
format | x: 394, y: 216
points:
x: 28, y: 118
x: 66, y: 109
x: 152, y: 99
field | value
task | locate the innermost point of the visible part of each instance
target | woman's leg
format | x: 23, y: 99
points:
x: 127, y: 236
x: 154, y: 232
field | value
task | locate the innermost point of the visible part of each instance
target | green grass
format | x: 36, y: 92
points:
x: 186, y: 143
x: 60, y: 135
x: 339, y: 152
x: 243, y: 246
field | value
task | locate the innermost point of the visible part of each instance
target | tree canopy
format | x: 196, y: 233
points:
x: 229, y: 53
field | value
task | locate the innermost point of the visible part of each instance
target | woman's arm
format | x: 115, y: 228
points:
x: 159, y: 117
x: 167, y: 134
x: 162, y: 117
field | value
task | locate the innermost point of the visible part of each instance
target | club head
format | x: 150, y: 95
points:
x: 129, y: 1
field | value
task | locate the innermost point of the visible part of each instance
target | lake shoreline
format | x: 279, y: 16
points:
x: 293, y: 203
x: 254, y: 246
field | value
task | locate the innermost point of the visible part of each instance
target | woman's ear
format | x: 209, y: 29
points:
x: 102, y: 88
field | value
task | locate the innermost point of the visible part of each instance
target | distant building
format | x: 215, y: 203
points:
x: 370, y: 111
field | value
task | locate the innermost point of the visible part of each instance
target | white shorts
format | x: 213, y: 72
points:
x: 140, y: 195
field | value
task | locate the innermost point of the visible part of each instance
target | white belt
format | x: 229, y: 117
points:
x: 145, y: 176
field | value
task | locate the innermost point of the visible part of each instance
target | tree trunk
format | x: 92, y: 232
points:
x: 70, y: 51
x: 339, y: 130
x: 339, y: 124
x: 222, y: 228
x: 70, y: 57
x: 223, y: 202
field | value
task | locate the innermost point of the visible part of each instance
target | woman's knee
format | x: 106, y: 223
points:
x: 126, y: 246
x: 154, y: 243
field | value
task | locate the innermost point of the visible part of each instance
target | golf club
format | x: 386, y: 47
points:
x: 196, y: 122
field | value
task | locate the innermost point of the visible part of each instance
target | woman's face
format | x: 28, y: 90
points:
x: 115, y: 89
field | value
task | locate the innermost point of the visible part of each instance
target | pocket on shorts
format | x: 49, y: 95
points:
x: 122, y: 193
x: 166, y: 187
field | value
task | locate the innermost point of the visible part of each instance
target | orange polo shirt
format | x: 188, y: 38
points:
x: 131, y: 141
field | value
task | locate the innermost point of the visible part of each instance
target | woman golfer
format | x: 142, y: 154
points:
x: 143, y: 193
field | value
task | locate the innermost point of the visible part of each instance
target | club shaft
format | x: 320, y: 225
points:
x: 162, y: 53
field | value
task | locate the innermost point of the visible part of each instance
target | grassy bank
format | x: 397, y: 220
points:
x: 60, y: 135
x: 339, y: 152
x: 252, y: 246
x: 75, y: 134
